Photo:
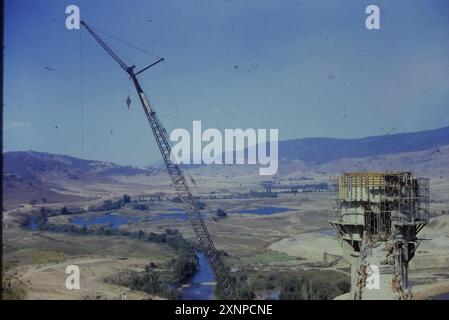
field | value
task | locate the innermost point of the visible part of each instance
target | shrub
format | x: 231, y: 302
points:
x: 126, y: 198
x: 221, y: 213
x: 140, y: 206
x: 184, y: 267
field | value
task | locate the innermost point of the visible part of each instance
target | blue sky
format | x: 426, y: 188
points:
x: 308, y: 68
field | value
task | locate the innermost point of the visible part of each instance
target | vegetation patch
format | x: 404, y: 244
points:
x: 13, y: 288
x: 160, y: 281
x: 43, y: 256
x: 266, y: 257
x: 292, y: 285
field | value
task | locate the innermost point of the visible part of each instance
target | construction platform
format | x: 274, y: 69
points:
x: 378, y: 216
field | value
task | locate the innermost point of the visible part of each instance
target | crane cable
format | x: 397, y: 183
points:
x: 128, y: 99
x: 146, y: 52
x: 194, y: 185
x: 82, y: 100
x: 125, y: 42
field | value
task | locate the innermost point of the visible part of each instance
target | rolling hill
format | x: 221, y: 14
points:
x: 322, y: 150
x: 30, y: 176
x: 31, y: 164
x: 37, y: 175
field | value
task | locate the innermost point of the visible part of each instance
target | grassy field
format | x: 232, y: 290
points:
x: 288, y: 244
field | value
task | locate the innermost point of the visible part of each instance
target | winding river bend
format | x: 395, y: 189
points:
x: 200, y: 287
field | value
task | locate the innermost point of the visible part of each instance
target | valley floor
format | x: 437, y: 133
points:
x: 296, y: 241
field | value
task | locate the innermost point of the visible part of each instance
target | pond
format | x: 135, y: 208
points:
x: 174, y: 216
x: 264, y: 210
x: 166, y: 216
x: 32, y: 225
x: 201, y: 286
x: 113, y: 220
x: 116, y: 220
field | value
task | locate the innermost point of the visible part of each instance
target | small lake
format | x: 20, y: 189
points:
x: 264, y: 210
x: 174, y: 216
x: 32, y: 225
x: 116, y: 220
x: 176, y: 210
x: 111, y: 219
x: 200, y: 286
x: 165, y: 216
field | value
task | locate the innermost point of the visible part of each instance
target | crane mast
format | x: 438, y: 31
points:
x: 190, y: 206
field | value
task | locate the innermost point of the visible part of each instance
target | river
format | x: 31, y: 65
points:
x: 200, y: 287
x: 264, y: 210
x: 202, y: 284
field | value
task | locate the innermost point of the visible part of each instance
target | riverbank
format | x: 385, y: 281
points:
x: 180, y: 266
x: 202, y: 285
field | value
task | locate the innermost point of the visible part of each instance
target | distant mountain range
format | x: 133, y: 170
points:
x: 29, y: 164
x: 30, y: 176
x: 322, y: 150
x: 312, y: 150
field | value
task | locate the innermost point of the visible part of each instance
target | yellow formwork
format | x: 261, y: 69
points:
x: 359, y: 186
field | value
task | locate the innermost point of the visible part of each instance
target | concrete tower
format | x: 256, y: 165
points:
x: 377, y: 219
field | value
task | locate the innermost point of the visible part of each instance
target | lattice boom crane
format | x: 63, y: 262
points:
x: 222, y: 277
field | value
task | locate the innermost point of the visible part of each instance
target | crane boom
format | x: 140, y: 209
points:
x: 190, y: 206
x: 106, y: 47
